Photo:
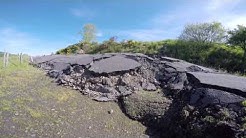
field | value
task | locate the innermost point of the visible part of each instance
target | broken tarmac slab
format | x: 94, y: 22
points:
x: 226, y: 82
x: 114, y: 64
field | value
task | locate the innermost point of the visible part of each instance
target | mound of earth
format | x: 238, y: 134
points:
x: 170, y: 96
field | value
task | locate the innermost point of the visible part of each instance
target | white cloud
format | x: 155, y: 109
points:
x: 226, y: 12
x: 99, y: 34
x: 173, y: 21
x: 144, y: 34
x: 235, y: 20
x: 83, y: 12
x: 230, y: 20
x: 215, y: 5
x: 14, y: 41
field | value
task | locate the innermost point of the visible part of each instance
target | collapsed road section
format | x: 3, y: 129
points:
x: 172, y: 97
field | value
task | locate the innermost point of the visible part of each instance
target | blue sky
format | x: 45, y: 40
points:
x: 39, y: 27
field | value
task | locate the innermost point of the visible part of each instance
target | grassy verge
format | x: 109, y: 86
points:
x: 32, y: 106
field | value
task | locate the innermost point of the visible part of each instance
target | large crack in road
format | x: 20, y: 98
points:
x: 197, y: 100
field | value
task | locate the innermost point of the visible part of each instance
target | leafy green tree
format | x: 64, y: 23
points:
x: 88, y: 33
x: 203, y: 32
x: 238, y: 37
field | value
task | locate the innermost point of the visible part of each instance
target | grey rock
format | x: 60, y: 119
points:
x: 54, y: 73
x: 176, y: 81
x: 204, y: 97
x: 124, y: 91
x: 105, y: 89
x: 94, y: 80
x: 78, y: 69
x: 60, y: 66
x: 107, y: 81
x: 111, y: 111
x: 170, y: 70
x: 169, y: 59
x: 149, y: 86
x: 102, y: 99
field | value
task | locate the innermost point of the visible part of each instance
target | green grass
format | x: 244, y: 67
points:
x: 31, y: 103
x: 14, y: 63
x: 243, y: 103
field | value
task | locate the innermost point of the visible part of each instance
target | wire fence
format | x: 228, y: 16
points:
x: 8, y: 59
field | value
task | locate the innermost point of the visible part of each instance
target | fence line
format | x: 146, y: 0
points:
x: 20, y: 58
x: 6, y: 59
x: 31, y: 59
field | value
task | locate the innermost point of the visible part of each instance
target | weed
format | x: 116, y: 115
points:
x: 5, y: 105
x: 209, y: 119
x: 243, y: 103
x: 34, y: 113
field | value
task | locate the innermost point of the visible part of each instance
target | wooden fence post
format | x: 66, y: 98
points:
x: 7, y: 59
x: 31, y: 59
x: 4, y: 59
x: 20, y: 58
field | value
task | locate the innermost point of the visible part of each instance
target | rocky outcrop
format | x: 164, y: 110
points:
x: 173, y: 97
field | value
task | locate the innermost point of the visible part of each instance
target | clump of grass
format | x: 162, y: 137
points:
x: 244, y: 126
x: 63, y: 96
x: 243, y: 103
x: 5, y: 105
x: 209, y: 119
x: 2, y: 94
x: 34, y: 113
x: 23, y: 100
x: 150, y: 95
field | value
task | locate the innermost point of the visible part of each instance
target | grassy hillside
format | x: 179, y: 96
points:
x: 1, y: 54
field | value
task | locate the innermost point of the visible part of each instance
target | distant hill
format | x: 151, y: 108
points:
x: 1, y: 54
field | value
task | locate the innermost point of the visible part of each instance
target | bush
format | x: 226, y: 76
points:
x: 225, y: 57
x: 111, y: 46
x: 194, y: 52
x: 219, y: 56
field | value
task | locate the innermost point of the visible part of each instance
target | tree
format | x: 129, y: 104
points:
x: 88, y: 33
x: 238, y: 37
x: 203, y: 32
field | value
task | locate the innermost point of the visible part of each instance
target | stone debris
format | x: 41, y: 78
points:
x: 174, y: 97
